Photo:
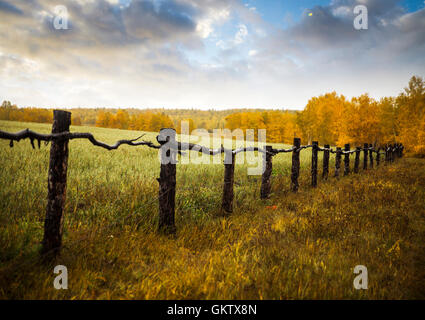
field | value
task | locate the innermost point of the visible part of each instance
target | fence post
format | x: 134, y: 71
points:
x: 167, y: 181
x: 295, y: 165
x: 314, y: 153
x: 267, y: 172
x: 338, y: 161
x: 347, y: 160
x: 357, y: 160
x: 371, y: 155
x: 365, y: 153
x: 58, y: 166
x: 326, y: 162
x: 387, y: 155
x: 378, y: 156
x: 390, y: 153
x: 393, y: 153
x: 229, y: 172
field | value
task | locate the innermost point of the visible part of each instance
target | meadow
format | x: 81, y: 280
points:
x: 291, y: 246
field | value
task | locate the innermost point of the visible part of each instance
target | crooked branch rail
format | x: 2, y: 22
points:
x: 58, y: 166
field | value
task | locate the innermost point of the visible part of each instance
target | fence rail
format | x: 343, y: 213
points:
x: 58, y: 165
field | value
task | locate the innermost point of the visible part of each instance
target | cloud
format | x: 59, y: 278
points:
x: 9, y: 8
x: 103, y: 23
x: 329, y: 36
x: 325, y: 52
x: 202, y: 53
x: 241, y: 34
x: 205, y: 26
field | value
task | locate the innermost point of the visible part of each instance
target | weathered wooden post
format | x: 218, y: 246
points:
x: 314, y: 153
x: 371, y: 155
x: 387, y: 154
x: 378, y: 156
x: 56, y: 196
x: 347, y: 160
x: 229, y: 172
x: 295, y: 165
x: 167, y: 181
x: 326, y: 154
x: 338, y: 161
x: 357, y: 160
x: 365, y: 153
x: 267, y: 172
x: 395, y: 151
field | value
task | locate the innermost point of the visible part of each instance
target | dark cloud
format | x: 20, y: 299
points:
x: 323, y: 28
x: 9, y: 8
x: 103, y: 23
x: 144, y: 19
x: 379, y: 8
x: 108, y: 24
x: 331, y: 28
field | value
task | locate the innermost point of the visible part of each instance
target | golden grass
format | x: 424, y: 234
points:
x: 293, y: 246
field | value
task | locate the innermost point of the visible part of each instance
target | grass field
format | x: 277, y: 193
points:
x: 292, y: 246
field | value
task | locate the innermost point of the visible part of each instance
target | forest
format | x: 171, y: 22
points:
x: 330, y: 118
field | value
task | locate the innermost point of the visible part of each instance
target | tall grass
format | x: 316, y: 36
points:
x: 291, y: 246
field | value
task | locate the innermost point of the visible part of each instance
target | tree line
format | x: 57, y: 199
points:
x: 333, y: 119
x: 329, y: 118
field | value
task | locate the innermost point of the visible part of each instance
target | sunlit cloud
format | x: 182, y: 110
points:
x: 204, y: 54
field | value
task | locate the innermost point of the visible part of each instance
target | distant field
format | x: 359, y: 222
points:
x: 292, y: 246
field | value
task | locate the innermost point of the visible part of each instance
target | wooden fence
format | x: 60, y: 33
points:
x: 58, y: 165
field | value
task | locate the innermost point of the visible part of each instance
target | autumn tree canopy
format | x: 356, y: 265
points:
x: 329, y: 118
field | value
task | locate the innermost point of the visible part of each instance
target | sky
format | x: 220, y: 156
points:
x: 205, y: 54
